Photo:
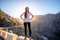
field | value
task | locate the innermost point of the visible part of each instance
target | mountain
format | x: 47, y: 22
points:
x: 46, y: 25
x: 57, y: 25
x: 6, y: 20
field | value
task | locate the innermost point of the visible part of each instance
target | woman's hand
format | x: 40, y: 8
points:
x: 21, y: 17
x: 31, y: 17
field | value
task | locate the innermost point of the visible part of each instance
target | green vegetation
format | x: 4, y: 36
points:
x: 7, y: 21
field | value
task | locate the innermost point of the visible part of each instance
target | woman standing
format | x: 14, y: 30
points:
x: 27, y: 21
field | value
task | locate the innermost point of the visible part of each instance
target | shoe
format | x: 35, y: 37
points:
x: 30, y: 38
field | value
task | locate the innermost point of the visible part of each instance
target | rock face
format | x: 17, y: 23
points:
x: 44, y: 38
x: 57, y: 25
x: 47, y: 25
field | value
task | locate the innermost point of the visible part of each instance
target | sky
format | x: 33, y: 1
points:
x: 37, y: 7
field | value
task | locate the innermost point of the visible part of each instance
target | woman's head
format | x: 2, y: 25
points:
x: 27, y: 9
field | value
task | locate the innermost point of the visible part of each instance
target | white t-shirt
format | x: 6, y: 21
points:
x: 28, y: 17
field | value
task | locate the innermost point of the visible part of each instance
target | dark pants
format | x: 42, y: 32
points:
x: 29, y: 27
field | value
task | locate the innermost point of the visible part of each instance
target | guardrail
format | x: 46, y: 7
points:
x: 8, y: 36
x: 11, y: 36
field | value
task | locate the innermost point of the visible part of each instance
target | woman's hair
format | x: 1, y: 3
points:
x: 26, y: 12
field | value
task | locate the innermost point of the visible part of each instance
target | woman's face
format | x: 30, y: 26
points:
x: 26, y: 9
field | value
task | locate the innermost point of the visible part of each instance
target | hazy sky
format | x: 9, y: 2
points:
x: 37, y: 7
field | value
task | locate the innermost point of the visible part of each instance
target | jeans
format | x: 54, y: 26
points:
x: 29, y: 27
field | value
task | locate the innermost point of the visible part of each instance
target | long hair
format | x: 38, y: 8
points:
x: 25, y: 15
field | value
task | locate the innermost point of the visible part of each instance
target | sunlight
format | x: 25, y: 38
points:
x: 21, y: 9
x: 18, y: 8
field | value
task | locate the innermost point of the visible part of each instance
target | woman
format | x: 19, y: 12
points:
x: 27, y: 21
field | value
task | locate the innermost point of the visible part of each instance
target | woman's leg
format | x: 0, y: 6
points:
x: 29, y: 26
x: 25, y: 26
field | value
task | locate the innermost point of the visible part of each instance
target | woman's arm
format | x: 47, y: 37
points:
x: 21, y: 16
x: 32, y: 16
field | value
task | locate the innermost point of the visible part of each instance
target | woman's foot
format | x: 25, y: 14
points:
x: 30, y: 38
x: 25, y: 38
